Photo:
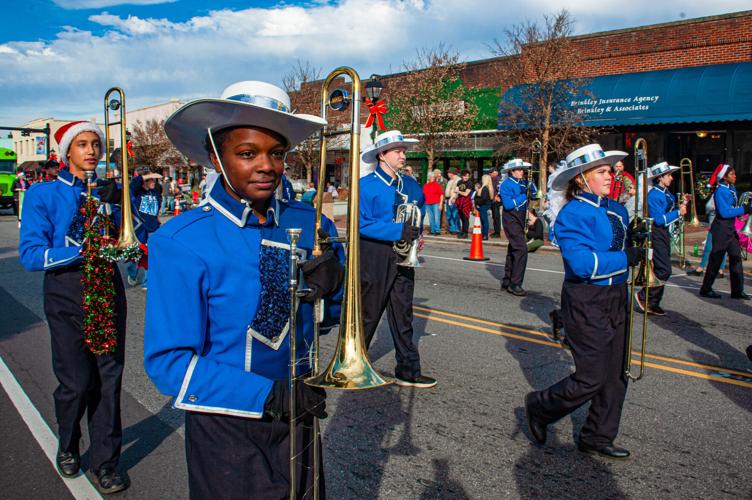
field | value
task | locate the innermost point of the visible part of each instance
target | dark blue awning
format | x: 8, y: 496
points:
x: 716, y: 93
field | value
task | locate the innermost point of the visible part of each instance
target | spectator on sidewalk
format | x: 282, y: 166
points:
x: 534, y: 231
x: 450, y: 196
x: 484, y: 196
x: 464, y: 202
x: 496, y: 204
x: 434, y: 200
x: 146, y: 203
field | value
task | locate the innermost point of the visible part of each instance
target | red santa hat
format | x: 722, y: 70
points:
x: 65, y: 135
x: 719, y: 173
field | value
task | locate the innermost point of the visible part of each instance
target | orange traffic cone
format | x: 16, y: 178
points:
x: 476, y: 244
x: 177, y: 208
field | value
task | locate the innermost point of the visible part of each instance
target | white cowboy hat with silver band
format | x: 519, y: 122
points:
x: 661, y: 168
x: 384, y: 142
x: 514, y: 164
x: 248, y: 103
x: 583, y: 159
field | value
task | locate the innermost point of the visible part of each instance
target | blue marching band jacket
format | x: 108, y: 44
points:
x: 218, y: 305
x: 591, y: 232
x: 725, y: 199
x: 380, y: 195
x: 513, y: 194
x: 662, y: 206
x: 53, y: 226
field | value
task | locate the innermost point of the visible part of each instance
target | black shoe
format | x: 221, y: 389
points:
x: 656, y: 311
x: 504, y: 285
x: 485, y: 238
x: 495, y: 235
x: 640, y: 308
x: 109, y: 481
x: 710, y: 294
x: 421, y: 381
x: 68, y: 463
x: 608, y: 451
x: 741, y: 295
x: 695, y: 272
x: 538, y: 429
x: 517, y: 290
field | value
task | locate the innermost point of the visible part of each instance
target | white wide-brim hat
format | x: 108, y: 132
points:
x: 384, y: 142
x: 583, y: 159
x: 242, y: 104
x: 514, y: 164
x: 661, y: 168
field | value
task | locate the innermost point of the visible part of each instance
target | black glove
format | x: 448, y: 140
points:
x: 410, y: 233
x: 308, y: 400
x: 634, y: 255
x: 323, y: 274
x: 109, y: 192
x: 748, y: 208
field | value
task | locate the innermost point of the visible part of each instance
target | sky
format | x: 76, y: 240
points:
x: 58, y: 57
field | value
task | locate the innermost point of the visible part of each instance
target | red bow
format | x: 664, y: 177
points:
x: 129, y: 147
x: 376, y: 111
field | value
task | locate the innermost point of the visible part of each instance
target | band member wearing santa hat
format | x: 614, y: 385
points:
x: 52, y: 241
x: 663, y: 209
x: 591, y: 231
x: 725, y: 237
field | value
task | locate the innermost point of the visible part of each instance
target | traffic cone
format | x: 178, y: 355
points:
x: 177, y: 208
x: 476, y: 244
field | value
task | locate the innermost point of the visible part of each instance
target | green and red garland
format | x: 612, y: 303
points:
x: 100, y: 333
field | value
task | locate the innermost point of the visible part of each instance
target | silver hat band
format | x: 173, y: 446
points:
x: 263, y: 101
x: 587, y: 158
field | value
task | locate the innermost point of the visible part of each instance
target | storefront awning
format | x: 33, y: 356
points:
x: 715, y: 93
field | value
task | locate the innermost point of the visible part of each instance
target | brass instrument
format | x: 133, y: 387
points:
x: 643, y: 276
x: 685, y: 168
x: 535, y: 149
x: 350, y: 367
x: 408, y: 213
x: 744, y: 199
x: 127, y: 238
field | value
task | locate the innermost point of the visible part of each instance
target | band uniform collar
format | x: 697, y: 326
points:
x: 590, y: 198
x: 386, y: 178
x: 66, y: 177
x: 237, y: 212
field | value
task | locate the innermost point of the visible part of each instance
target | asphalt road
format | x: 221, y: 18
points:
x: 687, y: 422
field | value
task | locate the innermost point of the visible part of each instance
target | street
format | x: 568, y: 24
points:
x: 687, y: 422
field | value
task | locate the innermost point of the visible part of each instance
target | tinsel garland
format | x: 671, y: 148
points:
x: 703, y: 187
x: 100, y: 333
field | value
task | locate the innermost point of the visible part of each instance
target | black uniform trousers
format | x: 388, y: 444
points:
x: 387, y: 286
x: 514, y: 229
x: 496, y: 214
x: 725, y: 241
x: 595, y: 319
x: 87, y: 383
x: 661, y: 242
x: 241, y: 458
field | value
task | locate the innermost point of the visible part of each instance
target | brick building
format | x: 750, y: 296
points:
x: 700, y: 70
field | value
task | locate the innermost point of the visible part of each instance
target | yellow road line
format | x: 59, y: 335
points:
x: 705, y: 376
x: 539, y: 333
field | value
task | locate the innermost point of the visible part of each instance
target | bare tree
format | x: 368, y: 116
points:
x: 304, y: 99
x: 300, y: 74
x: 544, y: 62
x: 152, y: 147
x: 430, y: 101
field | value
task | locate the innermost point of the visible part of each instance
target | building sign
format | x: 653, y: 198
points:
x: 595, y: 107
x: 41, y: 142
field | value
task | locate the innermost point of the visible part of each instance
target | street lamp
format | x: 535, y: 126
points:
x: 374, y: 88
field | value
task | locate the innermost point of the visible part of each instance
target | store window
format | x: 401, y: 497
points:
x: 742, y: 158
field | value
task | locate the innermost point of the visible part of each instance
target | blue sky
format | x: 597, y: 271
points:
x: 60, y: 56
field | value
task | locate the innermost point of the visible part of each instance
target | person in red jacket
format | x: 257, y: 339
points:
x: 621, y: 182
x: 434, y: 194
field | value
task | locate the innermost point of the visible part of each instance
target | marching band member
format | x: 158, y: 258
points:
x: 664, y: 212
x: 725, y: 237
x: 621, y: 183
x: 591, y: 231
x: 384, y: 284
x: 52, y: 241
x: 514, y: 200
x: 218, y: 302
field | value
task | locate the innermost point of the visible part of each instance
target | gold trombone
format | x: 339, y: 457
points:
x: 350, y: 367
x: 535, y: 154
x: 127, y: 239
x: 685, y: 169
x: 642, y: 276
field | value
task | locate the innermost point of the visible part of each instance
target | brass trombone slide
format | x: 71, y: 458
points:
x: 641, y: 276
x: 535, y: 154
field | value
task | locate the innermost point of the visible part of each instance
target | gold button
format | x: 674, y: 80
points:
x: 192, y: 398
x: 207, y: 208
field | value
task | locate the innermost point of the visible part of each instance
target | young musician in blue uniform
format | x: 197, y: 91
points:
x: 513, y: 192
x: 52, y: 241
x: 591, y: 231
x: 725, y: 237
x: 218, y: 305
x: 665, y: 212
x: 385, y: 285
x: 146, y: 202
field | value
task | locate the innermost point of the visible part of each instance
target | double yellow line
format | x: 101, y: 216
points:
x: 701, y: 370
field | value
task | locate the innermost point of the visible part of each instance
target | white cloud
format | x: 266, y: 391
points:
x: 156, y: 59
x: 99, y: 4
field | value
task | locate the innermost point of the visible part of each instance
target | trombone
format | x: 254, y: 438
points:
x: 642, y: 276
x: 535, y: 154
x: 350, y: 367
x: 685, y: 169
x: 127, y: 240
